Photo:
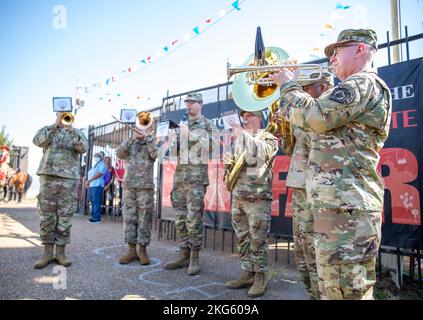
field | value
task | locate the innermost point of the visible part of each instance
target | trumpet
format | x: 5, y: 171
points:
x: 257, y: 75
x: 144, y: 121
x: 67, y: 119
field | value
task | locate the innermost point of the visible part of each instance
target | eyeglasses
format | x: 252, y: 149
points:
x: 335, y: 52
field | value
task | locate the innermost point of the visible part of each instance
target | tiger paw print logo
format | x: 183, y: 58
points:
x: 407, y: 201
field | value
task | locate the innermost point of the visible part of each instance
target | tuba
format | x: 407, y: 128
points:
x: 252, y: 91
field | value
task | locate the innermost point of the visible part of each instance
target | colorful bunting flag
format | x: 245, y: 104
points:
x: 340, y: 6
x: 196, y: 31
x: 236, y: 5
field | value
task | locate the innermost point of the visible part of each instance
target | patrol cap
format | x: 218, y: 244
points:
x: 256, y: 113
x: 367, y: 36
x: 326, y: 77
x: 194, y: 96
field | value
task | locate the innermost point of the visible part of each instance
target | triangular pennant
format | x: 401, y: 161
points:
x: 197, y: 30
x: 236, y: 5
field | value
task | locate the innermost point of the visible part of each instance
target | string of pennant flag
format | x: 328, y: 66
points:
x: 163, y: 52
x: 90, y: 90
x: 328, y: 29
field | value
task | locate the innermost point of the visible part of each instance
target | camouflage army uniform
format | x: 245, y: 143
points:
x: 189, y: 186
x: 252, y: 199
x: 59, y: 174
x: 138, y: 188
x: 351, y: 123
x: 302, y: 218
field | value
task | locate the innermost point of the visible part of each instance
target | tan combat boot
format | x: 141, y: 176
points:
x: 61, y: 258
x: 183, y: 261
x: 259, y: 287
x: 244, y: 281
x: 194, y: 263
x: 131, y: 256
x: 46, y: 258
x: 143, y: 256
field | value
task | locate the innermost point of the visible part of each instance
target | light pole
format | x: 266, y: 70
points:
x: 395, y: 29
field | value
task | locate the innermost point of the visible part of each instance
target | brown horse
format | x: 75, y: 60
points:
x: 18, y: 184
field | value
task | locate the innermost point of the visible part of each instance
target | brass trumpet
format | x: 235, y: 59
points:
x: 144, y: 121
x: 67, y: 119
x: 255, y: 73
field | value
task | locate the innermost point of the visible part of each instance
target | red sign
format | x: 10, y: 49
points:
x: 120, y: 169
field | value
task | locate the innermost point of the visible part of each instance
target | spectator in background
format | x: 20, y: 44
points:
x: 109, y: 184
x: 96, y: 184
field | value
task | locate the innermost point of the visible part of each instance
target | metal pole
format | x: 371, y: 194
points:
x: 395, y: 29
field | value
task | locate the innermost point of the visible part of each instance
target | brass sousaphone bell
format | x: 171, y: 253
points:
x: 252, y: 89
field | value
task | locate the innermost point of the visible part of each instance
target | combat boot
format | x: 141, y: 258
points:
x: 183, y: 261
x: 244, y: 281
x: 61, y: 258
x: 143, y: 256
x: 259, y: 286
x: 131, y: 256
x: 194, y: 263
x: 46, y: 258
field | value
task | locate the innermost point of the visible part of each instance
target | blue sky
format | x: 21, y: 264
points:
x: 102, y: 38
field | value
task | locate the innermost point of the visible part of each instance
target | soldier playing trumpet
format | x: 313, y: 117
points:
x: 59, y: 170
x: 140, y: 153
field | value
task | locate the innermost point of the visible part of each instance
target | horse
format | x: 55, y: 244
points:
x: 18, y: 184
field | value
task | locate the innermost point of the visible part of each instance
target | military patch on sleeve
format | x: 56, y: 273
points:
x: 343, y: 94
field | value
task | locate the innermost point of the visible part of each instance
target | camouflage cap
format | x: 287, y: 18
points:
x: 367, y: 36
x: 194, y: 96
x: 256, y: 113
x: 326, y: 77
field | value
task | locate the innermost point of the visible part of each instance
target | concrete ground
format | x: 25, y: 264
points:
x: 96, y: 273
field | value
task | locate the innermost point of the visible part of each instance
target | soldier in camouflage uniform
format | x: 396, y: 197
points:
x: 251, y: 202
x: 59, y: 174
x: 140, y: 153
x: 302, y: 218
x: 190, y: 183
x: 351, y: 123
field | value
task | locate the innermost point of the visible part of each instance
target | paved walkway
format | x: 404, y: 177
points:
x: 96, y: 273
